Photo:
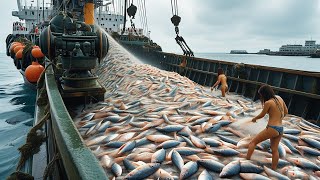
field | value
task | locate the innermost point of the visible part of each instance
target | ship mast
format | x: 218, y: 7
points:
x: 125, y: 17
x: 19, y: 5
x: 43, y: 10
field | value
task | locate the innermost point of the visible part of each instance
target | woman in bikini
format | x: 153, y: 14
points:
x: 222, y: 78
x: 277, y: 110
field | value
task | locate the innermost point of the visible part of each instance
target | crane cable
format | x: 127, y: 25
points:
x: 139, y: 2
x: 145, y: 16
x: 174, y: 7
x: 176, y: 19
x: 132, y: 9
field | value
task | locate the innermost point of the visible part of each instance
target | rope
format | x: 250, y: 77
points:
x: 20, y: 175
x: 174, y: 7
x: 145, y: 15
x: 50, y: 167
x: 40, y: 81
x: 34, y: 140
x: 42, y: 98
x: 140, y: 13
x: 175, y: 21
x: 33, y: 143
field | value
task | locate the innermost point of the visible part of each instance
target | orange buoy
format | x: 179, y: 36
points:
x: 19, y: 54
x: 13, y: 45
x: 37, y: 53
x: 17, y: 48
x: 33, y: 72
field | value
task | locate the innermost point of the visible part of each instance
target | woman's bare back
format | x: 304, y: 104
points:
x: 277, y: 111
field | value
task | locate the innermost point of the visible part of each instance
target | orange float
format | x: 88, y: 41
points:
x: 13, y: 45
x: 17, y: 48
x: 37, y: 53
x: 33, y: 72
x: 19, y: 54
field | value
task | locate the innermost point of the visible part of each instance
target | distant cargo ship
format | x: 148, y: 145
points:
x: 238, y: 52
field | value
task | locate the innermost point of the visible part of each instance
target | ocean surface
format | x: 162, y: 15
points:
x: 288, y: 62
x: 16, y: 114
x: 17, y: 100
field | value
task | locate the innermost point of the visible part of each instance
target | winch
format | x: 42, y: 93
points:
x: 75, y: 47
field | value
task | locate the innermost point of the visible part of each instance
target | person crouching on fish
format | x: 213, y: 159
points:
x: 222, y: 78
x: 277, y: 110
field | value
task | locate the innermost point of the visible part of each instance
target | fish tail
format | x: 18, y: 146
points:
x: 301, y: 152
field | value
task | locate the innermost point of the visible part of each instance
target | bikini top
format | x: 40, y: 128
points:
x: 279, y: 107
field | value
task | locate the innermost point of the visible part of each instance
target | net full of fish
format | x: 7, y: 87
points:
x: 160, y: 125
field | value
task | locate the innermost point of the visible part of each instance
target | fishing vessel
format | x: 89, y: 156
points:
x: 73, y: 48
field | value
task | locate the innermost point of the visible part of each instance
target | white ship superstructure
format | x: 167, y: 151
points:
x: 37, y: 12
x: 309, y: 48
x: 110, y: 21
x: 32, y: 14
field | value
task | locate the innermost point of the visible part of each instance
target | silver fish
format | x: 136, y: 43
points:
x: 88, y: 117
x: 304, y: 163
x: 205, y: 175
x: 188, y: 170
x: 106, y: 161
x: 272, y: 173
x: 248, y: 167
x: 170, y: 128
x: 253, y: 176
x: 127, y: 147
x: 231, y: 169
x: 163, y: 175
x: 177, y: 159
x: 159, y: 156
x: 143, y: 171
x: 198, y: 142
x: 168, y: 144
x: 116, y: 169
x: 211, y: 165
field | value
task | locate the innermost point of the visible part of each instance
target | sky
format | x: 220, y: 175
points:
x: 210, y: 26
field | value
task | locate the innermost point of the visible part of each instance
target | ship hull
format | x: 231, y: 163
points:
x: 315, y: 56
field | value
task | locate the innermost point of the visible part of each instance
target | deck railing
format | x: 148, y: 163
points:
x: 77, y: 160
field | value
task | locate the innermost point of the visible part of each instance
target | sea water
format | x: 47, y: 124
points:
x: 16, y: 114
x: 289, y: 62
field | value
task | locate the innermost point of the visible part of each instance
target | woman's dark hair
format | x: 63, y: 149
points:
x: 266, y: 93
x: 220, y: 71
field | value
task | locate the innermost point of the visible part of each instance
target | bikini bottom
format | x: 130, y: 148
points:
x: 277, y: 128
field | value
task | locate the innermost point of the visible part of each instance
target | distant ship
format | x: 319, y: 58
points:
x: 309, y: 48
x: 238, y: 52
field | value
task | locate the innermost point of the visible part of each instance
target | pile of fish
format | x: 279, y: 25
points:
x: 160, y: 125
